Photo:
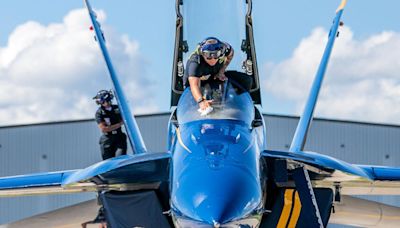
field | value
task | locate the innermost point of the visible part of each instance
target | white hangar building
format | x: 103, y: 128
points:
x: 74, y: 144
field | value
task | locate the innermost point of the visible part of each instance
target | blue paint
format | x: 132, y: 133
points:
x: 215, y: 167
x: 219, y: 180
x: 382, y: 173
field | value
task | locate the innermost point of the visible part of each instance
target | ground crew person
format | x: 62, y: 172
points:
x: 113, y: 141
x: 108, y: 117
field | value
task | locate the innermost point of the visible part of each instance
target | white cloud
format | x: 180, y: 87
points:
x: 51, y: 72
x: 362, y: 80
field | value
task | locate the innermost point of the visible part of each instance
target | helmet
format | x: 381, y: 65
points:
x: 103, y: 96
x: 212, y: 47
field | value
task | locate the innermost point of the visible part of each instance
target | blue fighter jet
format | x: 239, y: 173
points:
x: 217, y: 170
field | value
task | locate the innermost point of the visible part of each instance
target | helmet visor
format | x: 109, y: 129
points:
x: 212, y: 54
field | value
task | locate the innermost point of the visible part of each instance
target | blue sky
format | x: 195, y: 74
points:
x: 289, y: 39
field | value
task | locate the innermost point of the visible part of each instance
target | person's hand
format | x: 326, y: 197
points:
x: 221, y: 76
x: 205, y: 103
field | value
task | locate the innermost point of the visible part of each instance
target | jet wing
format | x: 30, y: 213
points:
x: 33, y: 184
x: 128, y: 172
x: 127, y: 169
x: 382, y: 172
x: 352, y: 179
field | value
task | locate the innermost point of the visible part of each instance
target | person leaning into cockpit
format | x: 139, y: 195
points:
x: 207, y: 63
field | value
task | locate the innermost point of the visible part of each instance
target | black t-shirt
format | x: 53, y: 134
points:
x: 196, y: 66
x: 109, y: 117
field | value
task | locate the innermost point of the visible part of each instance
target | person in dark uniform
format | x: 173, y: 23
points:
x: 208, y: 64
x: 108, y: 117
x: 112, y: 142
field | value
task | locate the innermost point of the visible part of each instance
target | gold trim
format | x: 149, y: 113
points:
x: 342, y: 5
x: 178, y: 134
x: 286, y: 208
x: 296, y: 211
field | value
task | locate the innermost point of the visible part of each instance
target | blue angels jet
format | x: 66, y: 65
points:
x: 217, y: 170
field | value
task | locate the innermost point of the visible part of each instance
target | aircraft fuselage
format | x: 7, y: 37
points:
x: 215, y: 175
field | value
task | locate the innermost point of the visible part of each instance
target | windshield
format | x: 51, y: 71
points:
x: 224, y: 19
x: 228, y: 103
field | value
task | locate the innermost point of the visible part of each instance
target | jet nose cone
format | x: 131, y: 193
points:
x: 217, y: 197
x: 217, y: 209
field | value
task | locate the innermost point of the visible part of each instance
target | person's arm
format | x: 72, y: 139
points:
x: 103, y: 126
x: 196, y: 92
x: 221, y: 74
x: 194, y: 82
x: 105, y: 129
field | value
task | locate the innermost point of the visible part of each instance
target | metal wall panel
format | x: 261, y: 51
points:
x: 154, y: 131
x: 74, y: 144
x: 42, y: 148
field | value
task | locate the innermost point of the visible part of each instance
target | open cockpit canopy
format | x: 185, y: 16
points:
x: 223, y: 19
x: 229, y: 21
